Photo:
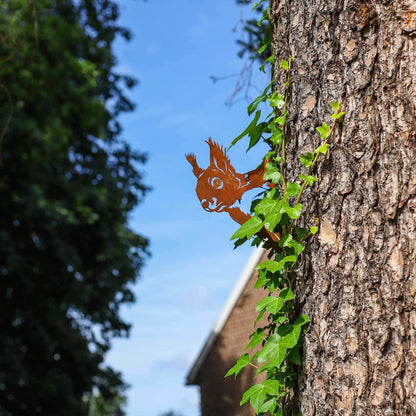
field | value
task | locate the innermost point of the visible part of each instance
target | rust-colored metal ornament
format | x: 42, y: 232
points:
x: 219, y: 186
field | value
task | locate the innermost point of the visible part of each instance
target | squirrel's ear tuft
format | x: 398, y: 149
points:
x: 218, y: 156
x: 196, y: 169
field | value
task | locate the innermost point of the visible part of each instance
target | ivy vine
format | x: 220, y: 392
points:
x: 279, y: 210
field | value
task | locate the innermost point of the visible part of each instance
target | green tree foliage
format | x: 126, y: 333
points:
x: 67, y: 185
x: 101, y: 406
x: 171, y: 413
x: 254, y: 32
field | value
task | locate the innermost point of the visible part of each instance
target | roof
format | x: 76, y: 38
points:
x: 225, y: 313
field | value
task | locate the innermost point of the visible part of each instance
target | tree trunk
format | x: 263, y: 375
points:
x: 360, y: 273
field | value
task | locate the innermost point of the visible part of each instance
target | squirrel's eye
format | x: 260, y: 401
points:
x: 216, y: 183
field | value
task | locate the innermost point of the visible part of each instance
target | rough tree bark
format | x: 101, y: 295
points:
x: 360, y: 350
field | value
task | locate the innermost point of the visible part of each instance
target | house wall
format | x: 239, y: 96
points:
x: 221, y: 396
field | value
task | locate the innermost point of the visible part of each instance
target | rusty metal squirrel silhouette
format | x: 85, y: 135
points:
x: 219, y: 186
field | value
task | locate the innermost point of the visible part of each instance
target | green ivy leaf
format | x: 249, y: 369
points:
x: 262, y: 280
x: 268, y: 204
x: 269, y: 59
x: 266, y: 41
x: 268, y: 406
x: 286, y: 294
x: 256, y: 241
x: 292, y: 189
x: 294, y: 355
x: 283, y: 319
x: 258, y: 393
x: 261, y: 98
x: 277, y: 100
x: 256, y: 401
x: 323, y: 131
x: 309, y: 178
x: 256, y: 338
x: 277, y: 355
x: 289, y: 335
x: 271, y: 304
x: 276, y: 306
x: 273, y: 351
x: 264, y: 16
x: 249, y: 228
x: 288, y: 241
x: 271, y: 386
x: 273, y: 281
x: 263, y: 368
x: 272, y: 174
x: 297, y: 247
x: 273, y: 266
x: 337, y: 116
x: 252, y: 391
x: 301, y: 232
x: 314, y: 230
x: 284, y: 64
x: 263, y: 303
x: 307, y: 159
x: 259, y: 316
x: 253, y: 106
x: 282, y: 119
x: 322, y: 149
x: 242, y: 362
x: 250, y: 128
x: 335, y: 105
x: 271, y: 220
x: 254, y: 203
x: 268, y: 155
x: 294, y: 212
x: 302, y: 320
x: 257, y: 4
x: 277, y: 137
x: 256, y: 134
x: 285, y: 240
x: 268, y: 265
x: 272, y: 126
x: 240, y: 242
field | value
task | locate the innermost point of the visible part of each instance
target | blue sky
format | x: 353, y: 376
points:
x: 177, y: 46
